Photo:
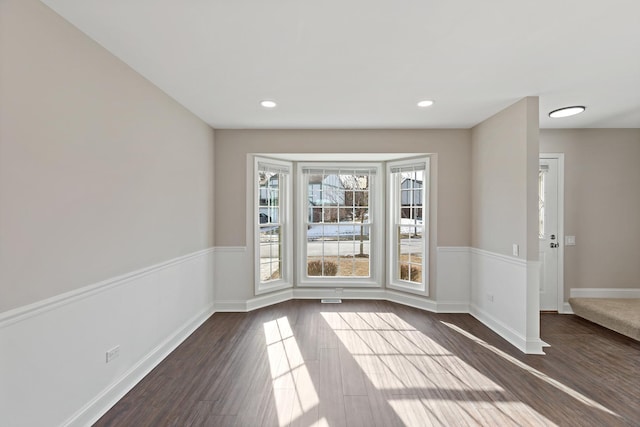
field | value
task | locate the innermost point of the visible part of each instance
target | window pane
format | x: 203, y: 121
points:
x: 270, y: 252
x: 270, y: 185
x: 338, y: 228
x: 410, y: 248
x: 338, y: 249
x: 408, y: 222
x: 345, y: 214
x: 274, y: 214
x: 274, y: 197
x: 361, y: 214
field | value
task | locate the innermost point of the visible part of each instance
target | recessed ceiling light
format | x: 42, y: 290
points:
x: 425, y: 103
x: 566, y: 111
x: 268, y: 104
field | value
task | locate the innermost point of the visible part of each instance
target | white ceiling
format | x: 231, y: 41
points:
x: 366, y: 63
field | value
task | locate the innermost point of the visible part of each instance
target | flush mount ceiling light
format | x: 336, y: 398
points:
x: 425, y: 103
x: 566, y: 111
x: 268, y: 104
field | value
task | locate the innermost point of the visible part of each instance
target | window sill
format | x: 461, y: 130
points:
x: 338, y: 282
x: 418, y: 289
x: 270, y: 287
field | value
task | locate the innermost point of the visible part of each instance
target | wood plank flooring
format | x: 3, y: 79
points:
x: 374, y: 363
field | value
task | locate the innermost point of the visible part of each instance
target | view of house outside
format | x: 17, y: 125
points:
x: 339, y: 227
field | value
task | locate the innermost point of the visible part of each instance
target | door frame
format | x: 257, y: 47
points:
x: 563, y: 307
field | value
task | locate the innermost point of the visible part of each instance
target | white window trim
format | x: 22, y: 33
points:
x: 393, y: 200
x: 376, y: 245
x: 286, y: 221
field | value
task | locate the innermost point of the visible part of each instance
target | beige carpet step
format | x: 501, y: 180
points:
x: 618, y: 314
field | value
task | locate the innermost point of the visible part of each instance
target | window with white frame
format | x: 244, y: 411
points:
x: 273, y: 224
x: 408, y: 211
x: 340, y: 224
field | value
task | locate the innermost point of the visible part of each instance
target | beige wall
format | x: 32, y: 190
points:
x: 451, y: 146
x: 602, y: 205
x: 100, y: 172
x: 504, y: 170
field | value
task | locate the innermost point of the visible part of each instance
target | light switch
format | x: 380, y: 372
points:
x: 569, y: 240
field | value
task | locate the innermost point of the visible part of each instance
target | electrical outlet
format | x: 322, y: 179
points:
x: 113, y: 353
x: 516, y: 249
x: 490, y: 297
x: 569, y: 240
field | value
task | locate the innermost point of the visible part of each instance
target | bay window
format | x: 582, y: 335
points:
x: 345, y: 234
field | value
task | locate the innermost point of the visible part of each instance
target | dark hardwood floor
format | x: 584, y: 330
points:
x: 372, y: 363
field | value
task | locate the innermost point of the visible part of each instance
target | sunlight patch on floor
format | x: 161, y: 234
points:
x: 540, y: 375
x: 412, y: 411
x: 293, y: 390
x: 422, y: 381
x: 404, y: 358
x: 322, y: 422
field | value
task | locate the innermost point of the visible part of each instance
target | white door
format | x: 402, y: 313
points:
x: 548, y: 233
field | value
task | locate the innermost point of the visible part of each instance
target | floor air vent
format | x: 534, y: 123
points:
x: 331, y: 301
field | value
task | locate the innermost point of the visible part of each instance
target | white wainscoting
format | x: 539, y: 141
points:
x: 233, y: 278
x: 53, y: 366
x: 499, y: 298
x: 234, y: 284
x: 605, y: 293
x: 453, y: 279
x: 465, y: 277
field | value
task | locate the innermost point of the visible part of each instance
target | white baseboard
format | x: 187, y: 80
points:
x: 528, y: 346
x: 56, y: 357
x: 605, y: 293
x: 345, y: 293
x: 230, y: 306
x: 566, y: 309
x: 412, y: 300
x: 98, y: 406
x: 452, y: 307
x: 321, y: 293
x: 297, y: 293
x: 502, y: 298
x: 269, y: 299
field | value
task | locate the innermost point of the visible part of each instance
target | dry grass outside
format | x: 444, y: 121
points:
x: 357, y: 267
x: 416, y: 268
x: 413, y: 274
x: 415, y: 259
x: 347, y: 266
x: 275, y: 275
x: 319, y: 268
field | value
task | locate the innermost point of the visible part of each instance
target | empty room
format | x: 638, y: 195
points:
x: 278, y: 213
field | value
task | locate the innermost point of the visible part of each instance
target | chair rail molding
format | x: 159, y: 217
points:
x: 54, y: 351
